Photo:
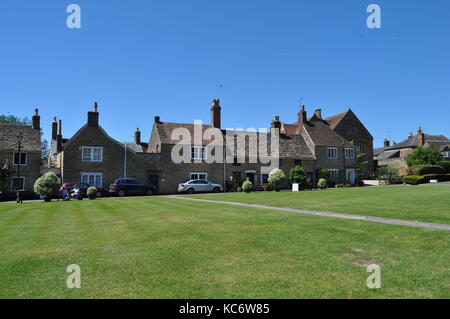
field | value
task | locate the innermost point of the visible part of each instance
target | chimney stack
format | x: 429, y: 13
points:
x: 137, y: 136
x: 36, y: 120
x: 302, y: 115
x: 420, y: 137
x: 54, y: 129
x: 387, y: 143
x: 318, y: 113
x: 215, y: 113
x: 93, y: 117
x: 157, y: 119
x: 276, y: 123
x: 59, y: 145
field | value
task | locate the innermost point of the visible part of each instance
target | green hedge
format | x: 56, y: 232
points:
x: 423, y: 179
x: 428, y: 169
x: 446, y: 166
x: 413, y: 180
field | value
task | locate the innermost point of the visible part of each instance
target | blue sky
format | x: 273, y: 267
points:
x: 170, y: 58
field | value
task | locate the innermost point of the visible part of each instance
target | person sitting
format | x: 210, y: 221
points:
x: 64, y: 193
x: 76, y: 194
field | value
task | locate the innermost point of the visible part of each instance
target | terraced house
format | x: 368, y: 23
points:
x: 92, y: 156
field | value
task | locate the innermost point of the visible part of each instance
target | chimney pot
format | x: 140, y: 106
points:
x: 215, y: 113
x: 302, y: 115
x: 54, y: 129
x: 318, y: 113
x: 387, y: 143
x: 157, y: 119
x: 420, y: 137
x: 93, y: 116
x: 137, y: 136
x: 276, y: 123
x: 36, y: 120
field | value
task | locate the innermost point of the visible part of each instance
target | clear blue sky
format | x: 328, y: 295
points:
x: 170, y: 58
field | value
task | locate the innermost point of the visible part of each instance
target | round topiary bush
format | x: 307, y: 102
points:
x: 322, y: 183
x: 247, y: 186
x: 276, y: 177
x: 92, y: 192
x: 47, y: 185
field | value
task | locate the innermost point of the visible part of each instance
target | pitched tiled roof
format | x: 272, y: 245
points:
x: 413, y: 141
x: 322, y: 135
x: 378, y: 151
x: 137, y: 148
x: 166, y: 129
x: 31, y: 138
x: 387, y: 154
x: 334, y: 120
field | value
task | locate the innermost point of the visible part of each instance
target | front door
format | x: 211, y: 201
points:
x: 350, y: 176
x: 251, y: 177
x: 154, y: 180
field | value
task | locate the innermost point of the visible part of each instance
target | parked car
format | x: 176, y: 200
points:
x: 101, y: 192
x: 130, y: 186
x: 199, y: 186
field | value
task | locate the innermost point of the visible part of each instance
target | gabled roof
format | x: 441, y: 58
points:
x: 166, y: 129
x: 322, y: 135
x: 413, y: 141
x: 31, y: 138
x: 387, y: 154
x: 334, y: 120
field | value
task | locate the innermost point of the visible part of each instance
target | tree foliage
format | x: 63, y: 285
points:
x: 276, y: 177
x: 47, y: 185
x: 297, y: 175
x: 424, y: 156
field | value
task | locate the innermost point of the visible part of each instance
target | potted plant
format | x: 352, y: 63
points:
x: 247, y: 186
x: 92, y: 192
x: 276, y: 177
x: 266, y: 187
x: 47, y: 186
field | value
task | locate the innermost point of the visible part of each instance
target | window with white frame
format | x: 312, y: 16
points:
x: 92, y: 154
x: 18, y: 183
x: 93, y: 179
x: 446, y: 154
x: 198, y: 153
x: 332, y: 152
x: 349, y: 153
x: 22, y: 161
x: 334, y: 174
x: 195, y: 175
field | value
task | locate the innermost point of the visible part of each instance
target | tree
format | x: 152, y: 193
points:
x: 276, y: 177
x: 424, y: 156
x: 11, y: 119
x: 388, y: 174
x: 322, y: 173
x: 47, y: 185
x: 297, y: 176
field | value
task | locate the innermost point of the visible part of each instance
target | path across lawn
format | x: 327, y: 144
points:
x: 328, y: 214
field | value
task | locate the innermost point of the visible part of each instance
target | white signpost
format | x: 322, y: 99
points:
x: 295, y: 187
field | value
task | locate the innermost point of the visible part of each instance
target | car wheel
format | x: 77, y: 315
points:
x: 190, y: 191
x: 149, y: 192
x: 99, y: 194
x: 216, y: 190
x: 121, y: 193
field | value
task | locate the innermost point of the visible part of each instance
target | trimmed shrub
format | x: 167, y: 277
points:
x: 297, y: 176
x: 428, y: 169
x: 445, y: 166
x: 322, y: 184
x: 92, y: 192
x: 323, y: 173
x: 388, y: 174
x: 413, y: 180
x: 438, y: 177
x: 276, y: 177
x: 247, y: 186
x: 47, y: 185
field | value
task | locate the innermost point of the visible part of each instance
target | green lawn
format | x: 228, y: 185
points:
x: 169, y: 248
x: 421, y: 203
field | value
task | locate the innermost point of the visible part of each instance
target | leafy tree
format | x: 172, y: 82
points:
x: 322, y: 184
x: 11, y: 119
x: 297, y: 176
x: 247, y: 186
x: 276, y: 177
x: 47, y: 185
x: 424, y: 156
x: 388, y: 174
x: 323, y: 173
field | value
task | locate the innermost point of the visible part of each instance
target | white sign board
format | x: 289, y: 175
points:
x: 433, y: 181
x: 295, y: 187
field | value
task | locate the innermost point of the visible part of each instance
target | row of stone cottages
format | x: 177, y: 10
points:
x: 92, y: 156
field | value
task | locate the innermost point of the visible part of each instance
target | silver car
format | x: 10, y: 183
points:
x: 200, y: 186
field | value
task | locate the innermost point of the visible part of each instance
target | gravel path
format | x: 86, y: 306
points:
x: 326, y: 214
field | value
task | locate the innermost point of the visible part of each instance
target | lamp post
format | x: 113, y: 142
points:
x: 19, y: 142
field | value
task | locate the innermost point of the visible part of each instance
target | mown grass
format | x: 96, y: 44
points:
x: 420, y: 203
x: 170, y: 248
